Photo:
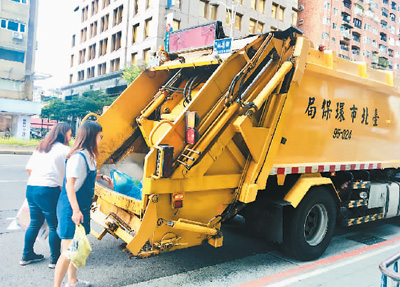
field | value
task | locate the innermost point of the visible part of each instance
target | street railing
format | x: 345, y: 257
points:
x: 387, y: 272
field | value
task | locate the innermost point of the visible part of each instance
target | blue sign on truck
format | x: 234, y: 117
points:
x: 223, y: 46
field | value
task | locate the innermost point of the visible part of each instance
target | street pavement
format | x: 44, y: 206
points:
x: 352, y: 259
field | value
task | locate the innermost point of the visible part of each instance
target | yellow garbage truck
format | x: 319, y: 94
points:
x: 294, y: 139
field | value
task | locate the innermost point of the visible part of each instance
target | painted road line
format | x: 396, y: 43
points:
x: 323, y: 265
x: 13, y: 180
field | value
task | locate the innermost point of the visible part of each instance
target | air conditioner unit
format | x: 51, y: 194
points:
x: 301, y: 8
x: 17, y: 36
x: 301, y: 21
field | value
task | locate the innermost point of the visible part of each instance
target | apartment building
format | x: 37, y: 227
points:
x: 114, y: 34
x: 18, y: 24
x: 358, y: 30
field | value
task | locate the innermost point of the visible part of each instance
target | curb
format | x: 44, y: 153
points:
x: 14, y: 149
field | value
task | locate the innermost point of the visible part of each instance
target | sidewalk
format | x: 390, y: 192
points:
x: 15, y: 149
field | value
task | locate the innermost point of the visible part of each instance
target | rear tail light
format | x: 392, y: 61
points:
x: 192, y: 120
x: 165, y: 155
x: 177, y: 200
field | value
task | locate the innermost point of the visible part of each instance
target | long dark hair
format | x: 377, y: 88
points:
x: 56, y: 135
x: 86, y: 138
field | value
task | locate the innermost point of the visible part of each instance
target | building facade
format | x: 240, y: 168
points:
x: 112, y: 35
x: 358, y: 30
x: 18, y: 22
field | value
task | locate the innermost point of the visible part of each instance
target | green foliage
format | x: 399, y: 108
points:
x: 69, y: 111
x: 15, y: 141
x: 130, y: 74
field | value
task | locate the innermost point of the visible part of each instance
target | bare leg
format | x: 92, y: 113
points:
x: 62, y: 264
x: 72, y: 277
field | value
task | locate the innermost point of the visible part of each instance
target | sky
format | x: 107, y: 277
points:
x: 53, y: 42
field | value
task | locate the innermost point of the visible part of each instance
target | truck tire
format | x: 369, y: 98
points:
x: 309, y: 228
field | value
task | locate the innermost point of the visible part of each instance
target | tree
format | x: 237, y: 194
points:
x: 69, y: 111
x: 130, y: 74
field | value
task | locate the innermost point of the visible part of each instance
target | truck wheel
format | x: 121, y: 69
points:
x: 310, y: 227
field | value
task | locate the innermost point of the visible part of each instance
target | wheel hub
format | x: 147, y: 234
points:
x: 316, y: 224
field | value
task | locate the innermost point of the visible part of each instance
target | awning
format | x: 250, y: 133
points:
x: 19, y: 107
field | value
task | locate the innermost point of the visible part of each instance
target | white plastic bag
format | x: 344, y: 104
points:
x: 79, y: 249
x: 23, y: 219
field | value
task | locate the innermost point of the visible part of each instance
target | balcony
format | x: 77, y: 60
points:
x: 346, y: 35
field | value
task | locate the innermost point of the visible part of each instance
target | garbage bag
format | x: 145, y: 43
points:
x: 125, y: 184
x: 79, y: 249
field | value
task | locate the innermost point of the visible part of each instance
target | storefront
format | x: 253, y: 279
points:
x: 15, y: 117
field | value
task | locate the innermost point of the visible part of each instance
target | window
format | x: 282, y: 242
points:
x: 335, y: 11
x: 19, y: 1
x: 213, y: 15
x: 136, y: 6
x: 85, y: 11
x: 281, y: 13
x: 327, y: 6
x: 114, y: 65
x: 392, y: 17
x: 116, y: 41
x: 118, y: 15
x: 146, y: 55
x: 73, y: 40
x: 72, y: 61
x: 83, y: 34
x: 3, y: 23
x: 82, y: 56
x: 106, y: 3
x: 95, y: 7
x: 383, y: 24
x: 261, y: 6
x: 238, y: 20
x: 383, y: 37
x: 92, y: 52
x: 71, y: 78
x: 326, y: 21
x: 252, y: 26
x: 103, y: 47
x: 382, y: 49
x: 101, y: 69
x: 347, y: 4
x: 134, y: 60
x: 147, y: 28
x: 356, y: 37
x: 260, y: 27
x: 176, y: 25
x: 344, y: 46
x: 358, y: 10
x: 13, y: 26
x: 391, y: 53
x: 294, y: 18
x: 253, y: 4
x: 346, y: 17
x: 385, y: 12
x: 203, y: 8
x: 134, y: 33
x: 325, y: 36
x: 90, y: 72
x: 355, y: 50
x: 93, y: 30
x: 357, y: 23
x: 393, y: 5
x: 104, y: 23
x: 148, y: 4
x: 274, y: 10
x: 81, y: 75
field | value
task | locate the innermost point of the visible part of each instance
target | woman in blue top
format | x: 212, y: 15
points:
x: 73, y: 206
